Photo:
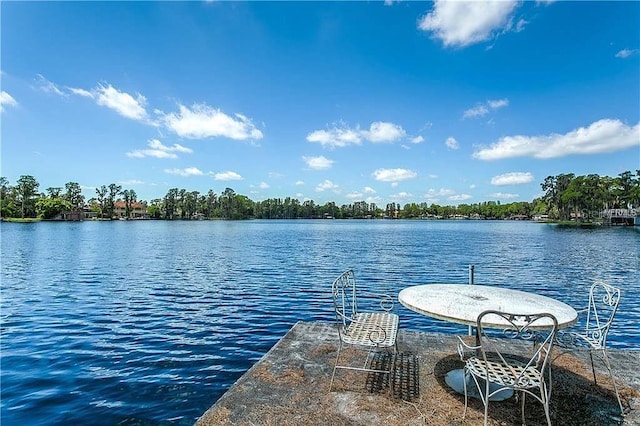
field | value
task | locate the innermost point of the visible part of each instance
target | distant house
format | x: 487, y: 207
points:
x: 138, y: 210
x: 541, y: 217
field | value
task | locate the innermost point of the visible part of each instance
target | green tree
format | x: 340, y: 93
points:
x: 8, y: 204
x: 26, y: 190
x: 51, y: 207
x: 101, y: 198
x: 114, y: 191
x: 129, y: 197
x: 74, y: 195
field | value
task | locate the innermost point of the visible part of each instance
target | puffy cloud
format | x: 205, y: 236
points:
x: 369, y: 190
x: 401, y: 196
x: 462, y: 23
x: 158, y: 150
x: 483, y: 109
x: 393, y: 175
x: 228, y: 175
x: 6, y: 100
x: 263, y: 185
x: 202, y: 121
x: 452, y: 143
x: 121, y: 102
x: 442, y: 192
x: 515, y: 178
x: 600, y: 137
x: 384, y: 132
x: 503, y: 195
x: 625, y: 53
x: 460, y: 197
x: 299, y: 183
x: 189, y: 171
x: 326, y: 185
x: 340, y: 135
x: 336, y: 137
x: 318, y: 163
x: 417, y: 139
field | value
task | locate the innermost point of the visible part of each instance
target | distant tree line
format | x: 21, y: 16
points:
x: 565, y: 196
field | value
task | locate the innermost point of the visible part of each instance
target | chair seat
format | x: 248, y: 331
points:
x: 372, y: 329
x: 515, y: 375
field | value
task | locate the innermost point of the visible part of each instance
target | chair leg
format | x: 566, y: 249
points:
x: 335, y: 366
x: 466, y: 396
x: 613, y: 380
x: 593, y: 368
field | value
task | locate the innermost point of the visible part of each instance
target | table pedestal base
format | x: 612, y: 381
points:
x: 455, y: 378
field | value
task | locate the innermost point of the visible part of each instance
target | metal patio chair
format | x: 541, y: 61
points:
x: 372, y: 332
x: 500, y: 361
x: 594, y: 322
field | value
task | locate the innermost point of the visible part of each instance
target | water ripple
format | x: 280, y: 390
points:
x: 150, y: 322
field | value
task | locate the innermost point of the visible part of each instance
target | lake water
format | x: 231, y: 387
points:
x: 149, y: 322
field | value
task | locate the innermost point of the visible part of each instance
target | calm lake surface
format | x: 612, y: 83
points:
x: 149, y: 322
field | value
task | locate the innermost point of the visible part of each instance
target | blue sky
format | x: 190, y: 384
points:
x: 444, y: 102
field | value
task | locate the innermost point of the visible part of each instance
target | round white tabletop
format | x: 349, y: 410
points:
x: 462, y: 303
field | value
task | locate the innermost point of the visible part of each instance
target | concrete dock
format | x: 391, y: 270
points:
x: 290, y: 386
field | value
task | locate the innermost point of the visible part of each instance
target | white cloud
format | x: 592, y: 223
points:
x: 462, y: 23
x: 299, y: 183
x: 81, y: 92
x: 369, y: 190
x: 326, y: 185
x: 341, y: 135
x: 228, y: 175
x: 158, y: 150
x: 600, y: 137
x: 499, y: 103
x: 202, y: 121
x: 189, y: 171
x: 503, y: 195
x: 442, y: 192
x: 452, y: 143
x: 353, y: 195
x: 476, y: 111
x: 49, y: 87
x: 460, y: 197
x: 6, y: 100
x: 400, y: 196
x: 318, y: 163
x: 263, y: 185
x: 417, y: 139
x: 336, y: 137
x: 393, y: 175
x: 131, y: 182
x: 121, y: 102
x: 483, y: 109
x: 625, y: 53
x: 515, y: 178
x: 384, y: 132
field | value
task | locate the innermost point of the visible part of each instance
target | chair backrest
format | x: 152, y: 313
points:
x: 537, y: 330
x: 603, y: 304
x: 344, y: 297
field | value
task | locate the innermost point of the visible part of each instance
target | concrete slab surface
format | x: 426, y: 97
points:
x: 290, y: 386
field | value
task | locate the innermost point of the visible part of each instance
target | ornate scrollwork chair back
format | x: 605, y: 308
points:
x: 515, y: 358
x: 368, y: 331
x: 593, y: 327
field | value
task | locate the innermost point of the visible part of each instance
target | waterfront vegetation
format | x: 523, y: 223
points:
x: 566, y: 197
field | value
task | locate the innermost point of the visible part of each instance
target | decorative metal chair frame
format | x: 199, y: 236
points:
x: 370, y: 331
x: 603, y: 305
x: 527, y: 373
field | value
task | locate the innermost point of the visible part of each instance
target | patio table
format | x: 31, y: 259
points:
x: 463, y: 303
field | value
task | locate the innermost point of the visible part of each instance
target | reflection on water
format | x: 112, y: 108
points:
x: 150, y: 322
